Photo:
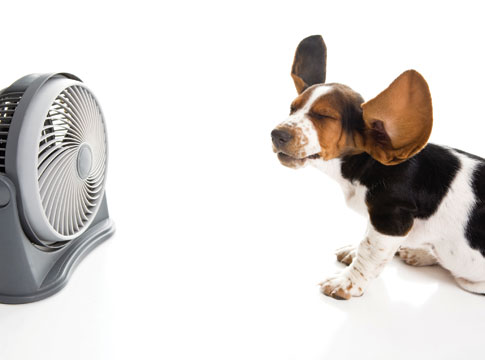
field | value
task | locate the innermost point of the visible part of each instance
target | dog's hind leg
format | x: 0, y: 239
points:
x: 417, y: 256
x: 474, y: 287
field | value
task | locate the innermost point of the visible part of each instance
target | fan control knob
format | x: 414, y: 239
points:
x: 4, y: 194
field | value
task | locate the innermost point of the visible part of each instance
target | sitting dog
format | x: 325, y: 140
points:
x: 423, y: 201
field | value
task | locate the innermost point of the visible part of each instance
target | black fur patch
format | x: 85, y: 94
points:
x: 475, y: 230
x: 400, y: 193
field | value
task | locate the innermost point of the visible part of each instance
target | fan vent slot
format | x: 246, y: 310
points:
x: 8, y: 104
x: 73, y: 137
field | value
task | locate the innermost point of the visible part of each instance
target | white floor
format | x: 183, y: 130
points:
x: 244, y: 288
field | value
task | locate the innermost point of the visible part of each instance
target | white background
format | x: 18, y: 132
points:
x: 219, y: 248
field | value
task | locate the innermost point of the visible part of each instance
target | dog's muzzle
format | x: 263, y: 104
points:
x: 280, y: 138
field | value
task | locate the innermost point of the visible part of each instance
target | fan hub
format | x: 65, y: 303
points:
x: 84, y: 161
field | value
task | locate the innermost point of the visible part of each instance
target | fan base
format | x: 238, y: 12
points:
x: 29, y: 274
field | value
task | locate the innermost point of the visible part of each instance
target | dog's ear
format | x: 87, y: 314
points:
x: 309, y: 65
x: 398, y: 121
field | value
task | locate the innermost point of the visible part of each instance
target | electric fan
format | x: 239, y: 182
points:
x: 53, y: 158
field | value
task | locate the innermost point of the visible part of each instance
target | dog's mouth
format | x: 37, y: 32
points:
x: 294, y: 162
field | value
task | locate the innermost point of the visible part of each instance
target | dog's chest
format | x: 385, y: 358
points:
x: 354, y: 193
x: 355, y: 197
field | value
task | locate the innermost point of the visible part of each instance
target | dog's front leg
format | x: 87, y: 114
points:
x: 373, y: 253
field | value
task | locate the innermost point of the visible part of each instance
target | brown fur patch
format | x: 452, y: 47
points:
x: 326, y: 114
x: 341, y: 294
x: 302, y: 99
x: 399, y: 120
x: 299, y: 83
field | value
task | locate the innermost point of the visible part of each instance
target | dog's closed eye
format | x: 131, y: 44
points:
x: 319, y: 116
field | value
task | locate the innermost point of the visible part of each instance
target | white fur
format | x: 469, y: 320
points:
x: 354, y: 192
x: 443, y: 232
x: 373, y: 253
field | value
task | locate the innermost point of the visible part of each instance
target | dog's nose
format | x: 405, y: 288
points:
x: 280, y: 137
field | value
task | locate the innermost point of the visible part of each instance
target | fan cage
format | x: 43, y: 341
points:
x: 74, y: 120
x: 8, y: 104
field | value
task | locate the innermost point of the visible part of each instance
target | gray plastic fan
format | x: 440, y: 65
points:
x: 53, y: 161
x: 72, y: 161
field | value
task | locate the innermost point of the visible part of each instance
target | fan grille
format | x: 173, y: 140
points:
x: 8, y: 104
x: 74, y: 123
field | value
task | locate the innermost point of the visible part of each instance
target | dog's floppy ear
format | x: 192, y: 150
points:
x: 310, y: 63
x: 398, y: 121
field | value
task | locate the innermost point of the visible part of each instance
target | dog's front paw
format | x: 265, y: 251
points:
x: 340, y: 287
x: 346, y: 254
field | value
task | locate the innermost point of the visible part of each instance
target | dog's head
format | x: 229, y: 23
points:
x: 331, y: 120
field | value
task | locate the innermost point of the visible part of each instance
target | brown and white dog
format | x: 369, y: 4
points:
x: 423, y: 201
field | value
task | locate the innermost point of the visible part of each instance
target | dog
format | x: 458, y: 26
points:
x: 423, y: 202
